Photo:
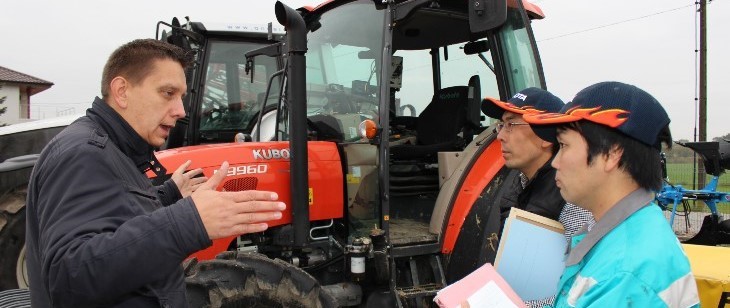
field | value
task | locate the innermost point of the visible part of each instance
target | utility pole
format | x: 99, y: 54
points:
x: 703, y: 87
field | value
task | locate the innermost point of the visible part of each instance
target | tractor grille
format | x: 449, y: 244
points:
x: 240, y: 184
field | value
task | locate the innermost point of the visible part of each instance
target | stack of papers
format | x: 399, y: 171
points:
x: 482, y: 288
x: 530, y: 260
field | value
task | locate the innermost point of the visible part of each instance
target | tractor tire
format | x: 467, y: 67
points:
x: 15, y: 298
x: 252, y: 280
x: 13, y: 274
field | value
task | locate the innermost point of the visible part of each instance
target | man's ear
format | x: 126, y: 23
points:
x: 613, y: 157
x: 546, y: 145
x: 118, y: 92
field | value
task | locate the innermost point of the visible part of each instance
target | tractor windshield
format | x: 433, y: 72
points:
x: 230, y: 99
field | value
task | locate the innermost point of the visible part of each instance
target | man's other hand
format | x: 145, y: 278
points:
x: 188, y: 182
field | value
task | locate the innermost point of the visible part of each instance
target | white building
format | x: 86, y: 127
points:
x: 16, y: 89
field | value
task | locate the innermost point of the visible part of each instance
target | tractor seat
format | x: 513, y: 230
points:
x: 438, y: 126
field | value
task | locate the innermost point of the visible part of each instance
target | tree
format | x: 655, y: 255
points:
x: 726, y: 137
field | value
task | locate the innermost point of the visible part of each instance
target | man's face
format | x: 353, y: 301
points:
x: 577, y: 180
x: 155, y: 104
x: 521, y: 148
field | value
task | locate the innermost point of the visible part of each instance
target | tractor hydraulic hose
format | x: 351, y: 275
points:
x: 296, y: 36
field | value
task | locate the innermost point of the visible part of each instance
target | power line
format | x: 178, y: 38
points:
x: 615, y: 23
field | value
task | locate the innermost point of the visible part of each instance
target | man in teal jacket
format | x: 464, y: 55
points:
x: 610, y: 138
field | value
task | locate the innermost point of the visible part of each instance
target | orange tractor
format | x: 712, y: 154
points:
x: 376, y: 143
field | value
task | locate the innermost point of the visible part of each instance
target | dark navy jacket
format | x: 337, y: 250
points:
x: 540, y: 196
x: 99, y: 234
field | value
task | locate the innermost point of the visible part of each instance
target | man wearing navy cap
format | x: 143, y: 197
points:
x: 610, y: 139
x: 533, y: 188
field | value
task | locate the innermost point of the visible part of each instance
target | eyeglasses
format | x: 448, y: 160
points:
x: 508, y: 126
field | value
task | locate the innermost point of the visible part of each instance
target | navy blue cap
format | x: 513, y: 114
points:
x: 621, y: 106
x: 527, y: 101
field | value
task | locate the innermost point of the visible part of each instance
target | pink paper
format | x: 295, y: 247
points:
x: 482, y: 288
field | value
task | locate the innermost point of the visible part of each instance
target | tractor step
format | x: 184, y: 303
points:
x: 421, y: 292
x: 429, y: 289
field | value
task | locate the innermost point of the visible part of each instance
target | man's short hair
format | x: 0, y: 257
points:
x: 641, y: 161
x: 133, y: 61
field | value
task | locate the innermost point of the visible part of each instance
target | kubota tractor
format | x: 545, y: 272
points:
x: 390, y: 173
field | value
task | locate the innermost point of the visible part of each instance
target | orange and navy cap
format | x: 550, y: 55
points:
x: 527, y: 101
x: 617, y: 105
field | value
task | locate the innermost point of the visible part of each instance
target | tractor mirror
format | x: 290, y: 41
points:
x: 485, y: 15
x: 473, y: 48
x: 366, y: 54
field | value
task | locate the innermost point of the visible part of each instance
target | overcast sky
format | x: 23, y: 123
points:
x: 649, y: 43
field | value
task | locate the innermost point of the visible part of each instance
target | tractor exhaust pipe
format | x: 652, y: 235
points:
x: 296, y: 40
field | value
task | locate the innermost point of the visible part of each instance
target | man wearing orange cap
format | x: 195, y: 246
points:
x: 533, y: 188
x: 610, y: 139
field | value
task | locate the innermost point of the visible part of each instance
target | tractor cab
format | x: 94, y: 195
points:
x: 223, y: 99
x: 419, y: 70
x: 397, y: 86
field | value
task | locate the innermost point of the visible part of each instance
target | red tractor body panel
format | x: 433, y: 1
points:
x: 265, y: 166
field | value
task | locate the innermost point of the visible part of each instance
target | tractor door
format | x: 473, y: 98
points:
x: 343, y: 89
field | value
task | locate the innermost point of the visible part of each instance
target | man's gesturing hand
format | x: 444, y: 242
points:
x: 237, y: 212
x: 187, y: 182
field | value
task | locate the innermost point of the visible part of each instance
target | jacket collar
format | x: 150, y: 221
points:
x: 616, y: 215
x: 547, y: 167
x: 122, y: 134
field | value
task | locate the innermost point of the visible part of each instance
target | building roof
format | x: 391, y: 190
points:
x: 9, y: 75
x: 34, y: 84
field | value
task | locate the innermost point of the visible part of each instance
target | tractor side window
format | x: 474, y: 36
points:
x: 230, y: 99
x: 459, y: 69
x: 416, y: 82
x: 520, y: 56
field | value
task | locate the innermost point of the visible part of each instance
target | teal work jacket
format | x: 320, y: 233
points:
x: 630, y: 258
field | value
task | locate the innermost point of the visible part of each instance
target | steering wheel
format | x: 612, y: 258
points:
x: 410, y: 108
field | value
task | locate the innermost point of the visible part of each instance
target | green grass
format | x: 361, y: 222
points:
x: 681, y: 174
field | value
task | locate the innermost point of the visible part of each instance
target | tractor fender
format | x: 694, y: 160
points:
x: 15, y: 173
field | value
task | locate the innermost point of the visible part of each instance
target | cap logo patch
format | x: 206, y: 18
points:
x: 609, y: 117
x: 520, y: 96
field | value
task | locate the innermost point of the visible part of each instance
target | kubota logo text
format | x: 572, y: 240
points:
x: 452, y: 95
x: 269, y: 154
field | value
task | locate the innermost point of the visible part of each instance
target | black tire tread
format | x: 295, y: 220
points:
x: 253, y: 280
x: 15, y: 298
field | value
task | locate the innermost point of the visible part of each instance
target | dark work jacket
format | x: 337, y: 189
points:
x: 541, y: 196
x: 98, y: 233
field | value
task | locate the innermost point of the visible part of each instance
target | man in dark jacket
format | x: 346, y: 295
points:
x: 532, y: 181
x: 99, y: 234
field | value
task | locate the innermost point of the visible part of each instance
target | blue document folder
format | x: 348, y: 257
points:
x: 531, y: 254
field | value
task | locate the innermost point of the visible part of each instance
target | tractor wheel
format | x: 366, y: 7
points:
x: 252, y: 280
x: 15, y: 298
x: 13, y: 272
